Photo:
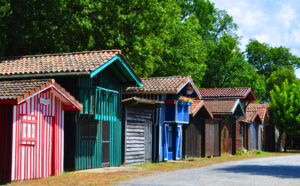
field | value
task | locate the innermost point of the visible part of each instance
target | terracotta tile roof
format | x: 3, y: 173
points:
x: 220, y: 106
x: 19, y: 90
x: 251, y: 115
x: 171, y: 84
x: 224, y: 92
x: 57, y: 63
x: 259, y: 108
x: 196, y: 106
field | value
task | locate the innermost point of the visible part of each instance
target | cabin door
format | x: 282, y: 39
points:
x: 212, y: 138
x: 148, y: 142
x: 105, y: 143
x: 49, y: 145
x: 178, y: 141
x: 226, y: 138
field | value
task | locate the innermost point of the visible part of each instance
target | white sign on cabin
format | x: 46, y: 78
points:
x: 44, y: 101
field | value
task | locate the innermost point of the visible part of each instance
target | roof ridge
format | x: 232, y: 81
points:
x: 223, y: 88
x: 62, y: 54
x: 162, y: 77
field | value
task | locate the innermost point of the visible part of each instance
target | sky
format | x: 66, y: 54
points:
x: 275, y: 22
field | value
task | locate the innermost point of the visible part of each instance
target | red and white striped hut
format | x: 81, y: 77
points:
x: 32, y: 128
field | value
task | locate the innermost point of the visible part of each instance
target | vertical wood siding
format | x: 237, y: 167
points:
x: 45, y: 157
x: 5, y: 141
x: 89, y: 154
x: 191, y: 143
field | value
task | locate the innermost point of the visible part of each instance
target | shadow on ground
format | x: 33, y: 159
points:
x: 280, y: 171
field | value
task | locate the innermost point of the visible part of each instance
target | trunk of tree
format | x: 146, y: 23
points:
x: 279, y: 144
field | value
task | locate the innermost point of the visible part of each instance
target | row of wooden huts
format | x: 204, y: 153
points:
x: 90, y: 109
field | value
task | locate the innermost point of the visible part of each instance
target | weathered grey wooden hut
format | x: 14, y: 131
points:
x: 137, y: 129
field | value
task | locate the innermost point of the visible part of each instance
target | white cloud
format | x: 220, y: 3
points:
x: 286, y: 15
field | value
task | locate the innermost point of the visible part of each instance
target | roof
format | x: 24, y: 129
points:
x: 220, y: 106
x: 251, y: 115
x: 235, y: 93
x: 196, y: 106
x: 261, y: 109
x: 167, y: 85
x: 77, y: 63
x: 19, y: 90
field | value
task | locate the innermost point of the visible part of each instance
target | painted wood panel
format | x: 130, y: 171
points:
x: 253, y: 136
x: 37, y: 154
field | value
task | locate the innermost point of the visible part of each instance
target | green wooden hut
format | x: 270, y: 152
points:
x: 93, y: 135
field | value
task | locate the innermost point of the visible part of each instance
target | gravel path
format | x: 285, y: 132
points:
x: 284, y: 170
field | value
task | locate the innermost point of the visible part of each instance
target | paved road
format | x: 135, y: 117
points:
x: 263, y: 171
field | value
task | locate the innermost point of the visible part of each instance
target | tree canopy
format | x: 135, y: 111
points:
x: 158, y: 38
x: 285, y: 106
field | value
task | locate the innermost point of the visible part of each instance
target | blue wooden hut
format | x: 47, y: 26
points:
x: 175, y: 91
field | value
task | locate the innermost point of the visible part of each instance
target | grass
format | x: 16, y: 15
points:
x: 76, y: 178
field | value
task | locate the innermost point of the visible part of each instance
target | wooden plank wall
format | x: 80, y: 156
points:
x: 40, y: 160
x: 212, y: 138
x: 191, y: 141
x: 136, y: 118
x: 5, y: 141
x: 89, y: 153
x: 237, y: 138
x: 253, y: 136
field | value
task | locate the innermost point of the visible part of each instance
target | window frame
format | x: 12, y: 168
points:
x: 28, y: 140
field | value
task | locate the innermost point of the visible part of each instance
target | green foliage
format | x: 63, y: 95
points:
x: 158, y: 38
x: 279, y: 76
x: 285, y: 106
x: 241, y: 153
x: 267, y: 59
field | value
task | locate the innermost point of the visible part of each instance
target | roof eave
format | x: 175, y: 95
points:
x: 44, y: 75
x: 125, y: 64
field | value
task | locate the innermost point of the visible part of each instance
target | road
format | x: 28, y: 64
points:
x: 284, y: 170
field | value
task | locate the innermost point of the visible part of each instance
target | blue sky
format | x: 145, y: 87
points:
x: 276, y: 22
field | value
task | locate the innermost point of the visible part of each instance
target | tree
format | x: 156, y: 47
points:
x: 279, y: 76
x: 267, y: 59
x: 284, y: 108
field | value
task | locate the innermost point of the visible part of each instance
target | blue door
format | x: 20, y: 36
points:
x: 166, y: 139
x: 178, y: 141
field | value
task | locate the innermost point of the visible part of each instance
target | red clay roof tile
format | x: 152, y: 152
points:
x: 57, y: 63
x: 21, y: 89
x: 224, y: 92
x: 171, y: 84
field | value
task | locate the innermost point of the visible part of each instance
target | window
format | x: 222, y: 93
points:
x: 28, y: 130
x: 170, y: 136
x: 88, y: 131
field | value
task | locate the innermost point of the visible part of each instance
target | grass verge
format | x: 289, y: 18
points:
x: 76, y: 178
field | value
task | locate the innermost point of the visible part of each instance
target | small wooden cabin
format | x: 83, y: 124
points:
x: 260, y: 123
x: 245, y: 95
x: 32, y: 128
x: 225, y: 114
x: 169, y: 119
x: 194, y: 132
x: 96, y: 79
x: 137, y: 128
x: 251, y: 134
